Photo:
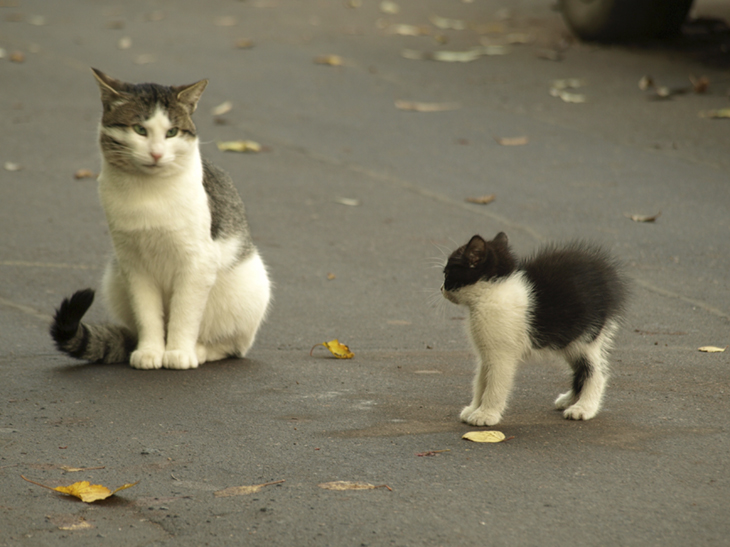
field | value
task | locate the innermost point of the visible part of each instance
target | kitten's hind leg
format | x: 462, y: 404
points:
x: 589, y: 382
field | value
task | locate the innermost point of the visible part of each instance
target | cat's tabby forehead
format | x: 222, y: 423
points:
x: 139, y: 102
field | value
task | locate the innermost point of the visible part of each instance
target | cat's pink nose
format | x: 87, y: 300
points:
x: 155, y: 156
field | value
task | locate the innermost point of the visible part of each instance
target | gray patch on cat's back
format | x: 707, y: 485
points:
x: 228, y: 215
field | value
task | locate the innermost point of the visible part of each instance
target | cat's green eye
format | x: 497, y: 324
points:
x: 139, y: 130
x: 171, y: 132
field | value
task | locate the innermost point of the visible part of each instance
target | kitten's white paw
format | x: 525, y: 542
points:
x: 579, y: 412
x: 179, y: 359
x: 565, y: 400
x: 483, y: 417
x: 468, y: 411
x: 146, y: 359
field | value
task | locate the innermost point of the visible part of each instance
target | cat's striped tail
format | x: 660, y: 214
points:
x: 95, y: 343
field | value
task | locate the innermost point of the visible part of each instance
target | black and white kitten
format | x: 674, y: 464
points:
x: 186, y: 282
x: 567, y: 300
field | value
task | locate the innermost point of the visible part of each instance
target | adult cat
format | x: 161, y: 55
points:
x: 567, y: 300
x: 186, y: 282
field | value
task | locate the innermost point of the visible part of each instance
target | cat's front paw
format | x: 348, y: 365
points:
x: 180, y: 360
x: 565, y: 400
x: 481, y: 416
x: 466, y: 412
x: 146, y: 359
x: 579, y: 412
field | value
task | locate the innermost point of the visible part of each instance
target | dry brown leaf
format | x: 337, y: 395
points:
x: 484, y: 436
x: 84, y: 174
x: 70, y: 522
x: 408, y: 30
x: 512, y: 141
x: 457, y: 56
x: 715, y: 114
x: 351, y: 485
x: 482, y: 200
x: 331, y: 276
x: 244, y: 43
x: 416, y: 106
x: 238, y: 146
x: 701, y: 84
x: 223, y: 108
x: 17, y: 57
x: 330, y: 60
x: 644, y: 218
x: 391, y: 8
x: 444, y: 23
x: 712, y: 349
x: 84, y: 490
x: 242, y: 490
x: 350, y: 202
x: 68, y: 469
x: 339, y: 350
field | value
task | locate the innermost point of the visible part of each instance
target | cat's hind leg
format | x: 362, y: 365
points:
x: 590, y: 375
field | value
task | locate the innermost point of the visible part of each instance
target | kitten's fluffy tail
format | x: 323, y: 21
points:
x: 95, y: 343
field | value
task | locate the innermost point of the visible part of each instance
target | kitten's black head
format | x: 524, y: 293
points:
x: 479, y: 260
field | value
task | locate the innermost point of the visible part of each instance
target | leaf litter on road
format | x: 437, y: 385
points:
x: 243, y: 490
x: 417, y: 106
x: 239, y: 146
x: 712, y: 349
x: 482, y: 200
x: 644, y: 218
x: 484, y: 436
x: 512, y: 141
x: 84, y: 490
x: 351, y: 485
x: 336, y: 348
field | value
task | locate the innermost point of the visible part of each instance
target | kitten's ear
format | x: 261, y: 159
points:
x: 190, y: 94
x: 111, y: 88
x: 501, y: 239
x: 476, y: 251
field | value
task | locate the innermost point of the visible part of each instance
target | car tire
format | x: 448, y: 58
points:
x: 620, y: 20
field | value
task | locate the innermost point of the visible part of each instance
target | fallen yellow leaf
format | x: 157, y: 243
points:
x: 416, y: 106
x: 484, y: 436
x: 238, y: 146
x: 644, y: 218
x: 721, y: 113
x: 223, y: 108
x: 84, y: 490
x: 712, y: 349
x: 512, y: 141
x: 84, y: 174
x: 482, y: 200
x: 242, y: 490
x: 68, y: 469
x: 351, y: 485
x: 339, y: 350
x: 331, y: 60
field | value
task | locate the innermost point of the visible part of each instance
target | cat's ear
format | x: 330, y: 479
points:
x: 501, y: 239
x: 111, y: 88
x: 189, y: 95
x: 475, y: 251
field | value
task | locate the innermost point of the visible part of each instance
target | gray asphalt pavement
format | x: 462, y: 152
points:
x: 354, y: 204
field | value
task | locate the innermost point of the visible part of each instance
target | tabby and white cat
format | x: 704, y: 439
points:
x: 566, y: 300
x: 186, y: 282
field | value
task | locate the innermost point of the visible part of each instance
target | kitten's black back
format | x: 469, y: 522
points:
x: 577, y: 288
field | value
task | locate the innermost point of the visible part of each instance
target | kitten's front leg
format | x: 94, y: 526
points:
x: 494, y: 377
x: 187, y: 305
x: 149, y: 315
